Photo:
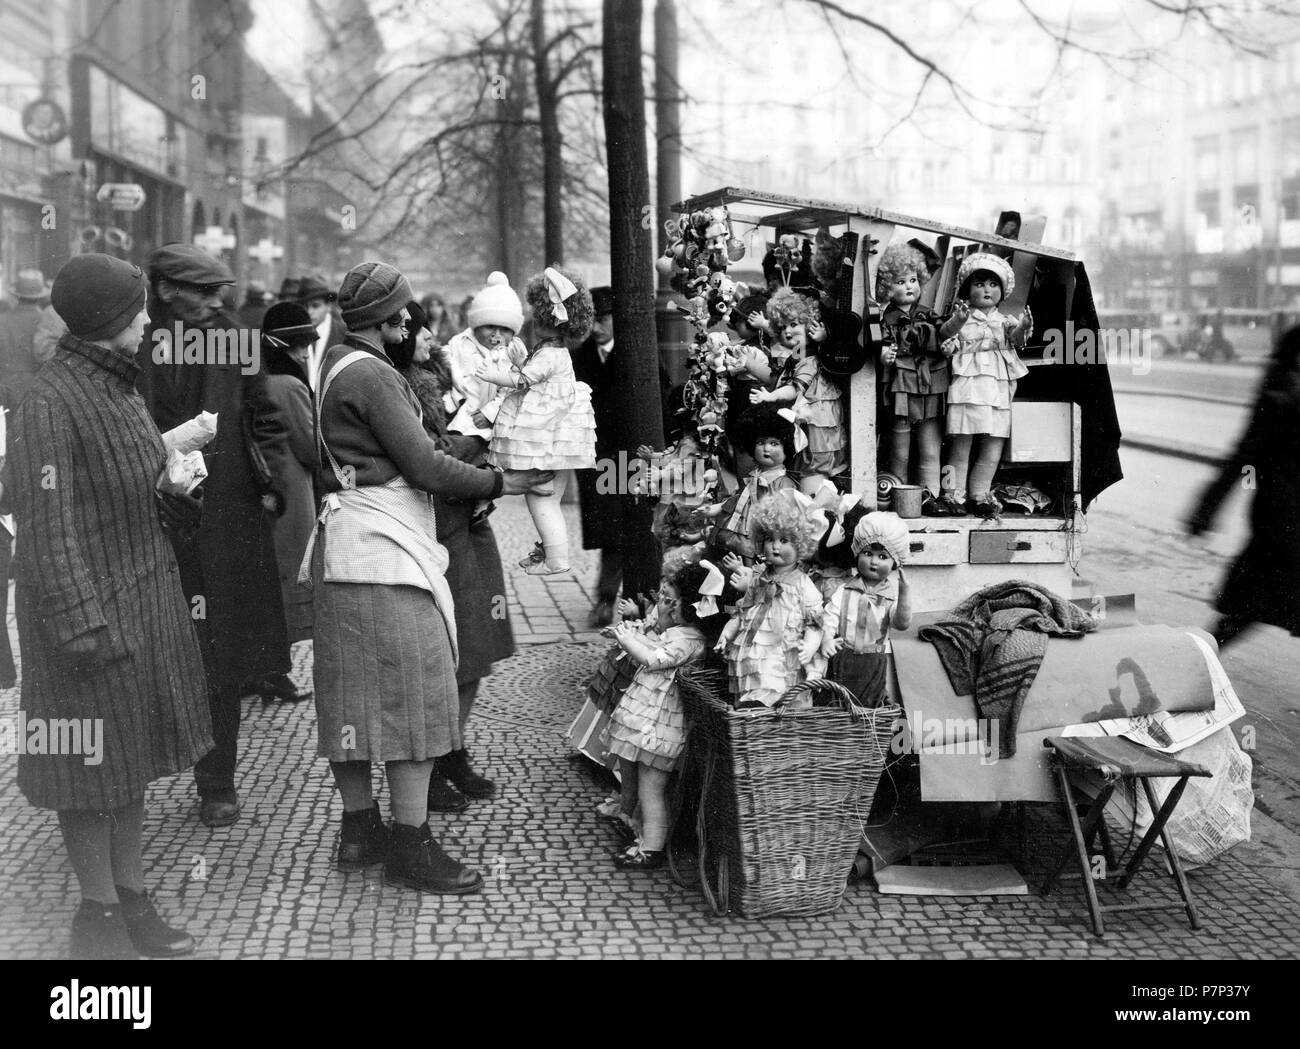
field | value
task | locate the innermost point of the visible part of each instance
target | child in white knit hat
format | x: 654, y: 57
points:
x: 495, y: 316
x: 857, y: 618
x: 546, y: 423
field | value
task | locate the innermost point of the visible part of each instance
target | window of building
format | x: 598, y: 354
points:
x: 1245, y: 155
x: 1206, y: 151
x: 1207, y: 208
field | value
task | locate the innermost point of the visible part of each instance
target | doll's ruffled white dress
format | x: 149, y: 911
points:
x: 549, y: 424
x: 763, y: 656
x: 649, y: 724
x: 984, y: 373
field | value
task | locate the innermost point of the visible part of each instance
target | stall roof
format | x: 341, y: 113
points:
x: 785, y: 212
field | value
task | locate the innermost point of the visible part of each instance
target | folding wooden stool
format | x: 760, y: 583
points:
x: 1119, y: 760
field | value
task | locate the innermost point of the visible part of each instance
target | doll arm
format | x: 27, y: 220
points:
x: 675, y: 653
x: 628, y: 609
x: 831, y: 641
x: 959, y: 316
x: 756, y: 363
x: 498, y: 376
x: 728, y: 634
x: 811, y: 599
x: 784, y: 394
x: 901, y: 617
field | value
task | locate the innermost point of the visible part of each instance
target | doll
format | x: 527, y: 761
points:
x: 647, y: 731
x: 917, y: 381
x: 750, y: 367
x: 982, y: 343
x: 546, y: 422
x: 769, y: 437
x: 774, y: 639
x: 857, y: 618
x: 798, y: 381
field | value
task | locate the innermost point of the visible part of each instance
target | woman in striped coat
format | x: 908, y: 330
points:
x: 108, y: 647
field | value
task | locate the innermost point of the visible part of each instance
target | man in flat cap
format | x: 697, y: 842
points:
x: 321, y: 303
x: 230, y: 563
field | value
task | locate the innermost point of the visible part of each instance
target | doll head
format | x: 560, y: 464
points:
x: 561, y: 304
x: 738, y: 322
x: 790, y: 314
x: 781, y: 533
x: 901, y: 276
x: 880, y: 544
x: 767, y: 435
x: 984, y: 280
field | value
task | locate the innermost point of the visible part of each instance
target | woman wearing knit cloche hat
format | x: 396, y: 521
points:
x: 105, y: 628
x: 385, y: 623
x: 985, y: 366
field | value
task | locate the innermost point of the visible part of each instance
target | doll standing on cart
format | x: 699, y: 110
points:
x: 982, y: 342
x: 858, y: 616
x: 773, y: 641
x: 917, y: 380
x: 769, y: 438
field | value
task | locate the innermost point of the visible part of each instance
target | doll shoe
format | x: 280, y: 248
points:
x: 536, y: 556
x: 951, y: 507
x: 542, y: 568
x: 989, y: 509
x: 610, y: 807
x: 933, y: 507
x: 635, y: 858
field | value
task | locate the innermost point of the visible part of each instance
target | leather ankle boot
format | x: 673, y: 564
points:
x: 99, y: 933
x: 363, y: 840
x: 455, y: 766
x: 152, y: 937
x: 416, y: 861
x: 443, y: 797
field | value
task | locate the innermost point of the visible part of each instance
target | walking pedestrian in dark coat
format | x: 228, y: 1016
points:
x: 106, y: 635
x: 287, y: 337
x: 18, y: 360
x: 230, y: 563
x: 1263, y: 585
x: 474, y: 573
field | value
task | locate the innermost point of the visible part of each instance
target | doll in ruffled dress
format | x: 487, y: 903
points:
x: 769, y: 438
x: 917, y: 380
x: 773, y: 641
x: 546, y: 422
x: 982, y: 342
x: 647, y: 731
x: 858, y: 616
x: 797, y: 381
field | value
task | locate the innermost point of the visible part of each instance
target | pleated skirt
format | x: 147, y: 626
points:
x: 384, y: 679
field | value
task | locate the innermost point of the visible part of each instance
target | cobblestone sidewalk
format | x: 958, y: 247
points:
x: 264, y: 888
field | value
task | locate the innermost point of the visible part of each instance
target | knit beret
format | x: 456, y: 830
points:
x: 496, y: 304
x: 886, y: 529
x: 982, y: 260
x: 187, y: 264
x: 371, y: 293
x: 97, y: 296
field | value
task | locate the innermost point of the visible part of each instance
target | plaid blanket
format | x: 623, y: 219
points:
x: 992, y: 644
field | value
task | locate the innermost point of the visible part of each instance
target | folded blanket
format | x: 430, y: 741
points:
x: 992, y: 644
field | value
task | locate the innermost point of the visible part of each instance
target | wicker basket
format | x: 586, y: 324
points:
x: 784, y: 794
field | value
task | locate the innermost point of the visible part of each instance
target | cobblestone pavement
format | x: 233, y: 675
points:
x: 264, y: 888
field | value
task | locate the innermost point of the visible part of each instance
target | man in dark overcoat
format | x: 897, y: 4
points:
x: 228, y: 569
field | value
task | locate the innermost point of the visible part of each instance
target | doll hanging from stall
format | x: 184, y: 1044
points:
x: 797, y: 381
x: 858, y: 616
x: 982, y: 343
x: 916, y: 384
x: 773, y: 641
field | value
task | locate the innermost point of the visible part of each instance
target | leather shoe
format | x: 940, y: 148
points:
x: 602, y: 614
x: 151, y: 936
x: 443, y: 797
x: 100, y: 934
x: 219, y: 809
x: 277, y: 688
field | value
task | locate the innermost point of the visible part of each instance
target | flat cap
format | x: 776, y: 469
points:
x: 188, y: 264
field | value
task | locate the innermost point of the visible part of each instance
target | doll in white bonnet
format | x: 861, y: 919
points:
x: 857, y: 618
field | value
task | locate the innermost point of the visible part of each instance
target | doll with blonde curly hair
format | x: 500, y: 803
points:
x: 774, y: 640
x: 545, y: 423
x: 797, y: 381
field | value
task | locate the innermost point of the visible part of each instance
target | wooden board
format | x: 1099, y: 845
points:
x: 998, y: 879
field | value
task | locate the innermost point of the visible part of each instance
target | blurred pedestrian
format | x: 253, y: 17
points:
x: 321, y: 303
x: 106, y: 635
x: 440, y: 322
x: 1263, y: 585
x: 474, y: 572
x: 385, y: 625
x: 18, y: 360
x: 288, y: 290
x: 254, y: 306
x: 228, y: 568
x: 287, y: 337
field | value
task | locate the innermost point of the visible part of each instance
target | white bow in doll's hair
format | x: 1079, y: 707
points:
x: 710, y: 590
x: 558, y: 288
x: 847, y: 503
x: 800, y: 438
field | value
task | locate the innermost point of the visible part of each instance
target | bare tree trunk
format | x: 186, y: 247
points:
x: 548, y: 113
x: 636, y: 355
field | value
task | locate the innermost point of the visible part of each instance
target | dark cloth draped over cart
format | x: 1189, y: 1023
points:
x: 1053, y: 303
x: 992, y: 644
